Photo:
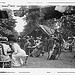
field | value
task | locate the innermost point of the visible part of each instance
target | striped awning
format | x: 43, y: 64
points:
x: 48, y: 30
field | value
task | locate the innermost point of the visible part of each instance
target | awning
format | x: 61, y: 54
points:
x: 48, y: 30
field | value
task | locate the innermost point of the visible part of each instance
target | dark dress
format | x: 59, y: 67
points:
x: 50, y: 43
x: 70, y: 45
x: 26, y: 48
x: 45, y: 45
x: 56, y: 52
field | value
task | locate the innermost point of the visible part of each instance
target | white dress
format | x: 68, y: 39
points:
x: 17, y: 55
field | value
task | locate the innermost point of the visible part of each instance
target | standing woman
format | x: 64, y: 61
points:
x: 50, y: 46
x: 18, y: 53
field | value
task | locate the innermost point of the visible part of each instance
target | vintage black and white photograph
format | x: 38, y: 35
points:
x: 37, y: 36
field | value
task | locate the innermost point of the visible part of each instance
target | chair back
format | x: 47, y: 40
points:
x: 1, y: 52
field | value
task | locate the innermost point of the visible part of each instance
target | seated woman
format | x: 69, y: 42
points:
x: 6, y: 49
x: 4, y: 55
x: 17, y: 54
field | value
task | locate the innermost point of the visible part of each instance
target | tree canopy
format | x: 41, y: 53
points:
x: 7, y: 25
x: 36, y: 15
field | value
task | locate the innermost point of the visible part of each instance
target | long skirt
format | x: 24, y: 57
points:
x: 18, y: 59
x: 55, y: 54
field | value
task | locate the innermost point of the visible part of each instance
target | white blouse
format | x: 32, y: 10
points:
x: 18, y: 50
x: 6, y: 48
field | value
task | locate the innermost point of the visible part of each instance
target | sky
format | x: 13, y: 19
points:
x: 20, y: 23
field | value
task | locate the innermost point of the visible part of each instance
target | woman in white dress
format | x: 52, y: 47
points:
x: 5, y: 48
x: 18, y: 55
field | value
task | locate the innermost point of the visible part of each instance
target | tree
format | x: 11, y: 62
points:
x: 7, y: 25
x: 46, y: 16
x: 32, y: 17
x: 68, y: 23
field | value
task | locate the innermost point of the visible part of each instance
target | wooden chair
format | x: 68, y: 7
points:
x: 2, y: 55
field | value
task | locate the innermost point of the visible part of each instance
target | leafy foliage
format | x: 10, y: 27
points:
x: 7, y: 25
x: 68, y: 23
x: 35, y: 17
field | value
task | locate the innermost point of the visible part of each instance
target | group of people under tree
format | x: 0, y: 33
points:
x: 53, y: 44
x: 34, y: 46
x: 40, y: 45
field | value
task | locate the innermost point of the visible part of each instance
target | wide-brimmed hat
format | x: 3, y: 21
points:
x: 3, y: 39
x: 13, y: 39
